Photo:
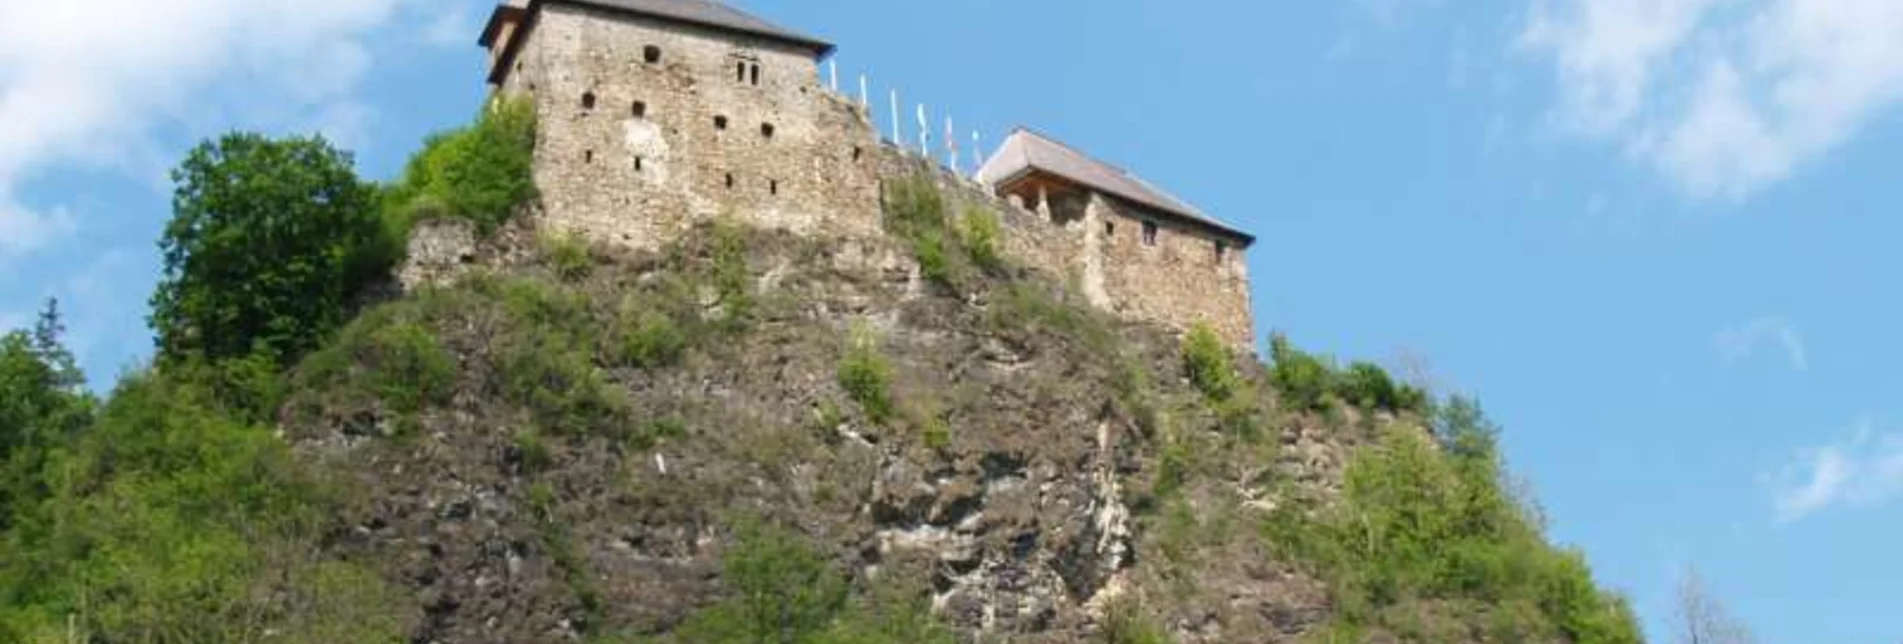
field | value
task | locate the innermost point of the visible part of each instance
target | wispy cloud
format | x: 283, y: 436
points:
x: 452, y: 28
x: 1747, y: 340
x: 1862, y: 471
x: 1725, y: 97
x: 86, y: 84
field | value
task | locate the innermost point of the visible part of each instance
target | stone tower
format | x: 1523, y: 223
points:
x: 655, y: 114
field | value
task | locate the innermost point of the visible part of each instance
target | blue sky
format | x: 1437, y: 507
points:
x: 1656, y: 237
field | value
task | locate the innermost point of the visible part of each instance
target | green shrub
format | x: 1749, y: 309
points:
x: 532, y: 451
x: 482, y: 173
x: 866, y: 376
x: 568, y: 254
x: 1125, y: 622
x: 1304, y: 380
x: 652, y: 339
x: 779, y: 590
x: 175, y: 518
x: 982, y: 235
x: 1368, y: 385
x: 917, y: 213
x: 733, y: 279
x: 1210, y: 365
x: 657, y: 432
x: 1417, y: 523
x: 1025, y: 307
x: 390, y: 355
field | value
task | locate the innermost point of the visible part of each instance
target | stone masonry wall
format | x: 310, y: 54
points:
x: 628, y: 152
x: 1179, y: 282
x: 1182, y: 280
x: 647, y: 159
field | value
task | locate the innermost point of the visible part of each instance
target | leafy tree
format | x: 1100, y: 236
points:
x: 268, y: 242
x: 42, y: 405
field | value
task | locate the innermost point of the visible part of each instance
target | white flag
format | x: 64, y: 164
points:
x: 898, y: 138
x: 924, y: 133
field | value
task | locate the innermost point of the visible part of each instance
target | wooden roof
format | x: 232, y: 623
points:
x: 1027, y: 152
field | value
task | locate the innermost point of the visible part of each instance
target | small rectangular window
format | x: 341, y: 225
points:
x: 1149, y: 233
x: 1222, y: 251
x: 756, y: 74
x: 740, y: 72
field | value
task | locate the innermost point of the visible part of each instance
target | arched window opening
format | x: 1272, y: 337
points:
x: 740, y: 72
x: 756, y: 74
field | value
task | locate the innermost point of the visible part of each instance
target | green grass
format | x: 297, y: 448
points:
x: 867, y: 377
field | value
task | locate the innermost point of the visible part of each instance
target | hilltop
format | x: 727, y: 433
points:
x: 743, y: 436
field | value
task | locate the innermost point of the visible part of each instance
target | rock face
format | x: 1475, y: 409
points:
x: 1020, y: 474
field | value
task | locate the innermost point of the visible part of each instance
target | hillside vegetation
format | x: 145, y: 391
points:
x: 745, y: 437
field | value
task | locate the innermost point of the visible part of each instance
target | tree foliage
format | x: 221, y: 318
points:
x: 481, y: 173
x: 42, y: 405
x: 1416, y: 523
x: 269, y: 241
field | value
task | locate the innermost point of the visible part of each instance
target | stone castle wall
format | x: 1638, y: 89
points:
x: 629, y: 152
x: 1180, y: 282
x: 620, y: 135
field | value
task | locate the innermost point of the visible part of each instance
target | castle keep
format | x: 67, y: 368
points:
x: 658, y: 114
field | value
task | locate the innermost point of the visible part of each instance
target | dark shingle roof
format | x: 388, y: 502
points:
x: 1027, y: 151
x: 703, y: 13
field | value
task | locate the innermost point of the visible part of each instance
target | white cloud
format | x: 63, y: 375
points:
x: 452, y: 28
x: 87, y: 83
x: 1723, y: 96
x: 1865, y: 470
x: 1745, y: 341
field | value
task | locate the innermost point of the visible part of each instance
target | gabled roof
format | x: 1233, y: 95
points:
x: 1026, y: 152
x: 701, y: 13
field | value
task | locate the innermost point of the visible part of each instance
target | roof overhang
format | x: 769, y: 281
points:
x: 1029, y: 172
x: 527, y: 14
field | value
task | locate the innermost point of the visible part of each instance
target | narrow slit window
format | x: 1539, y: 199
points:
x: 637, y: 164
x: 756, y: 75
x: 588, y: 156
x: 740, y: 72
x: 639, y: 109
x: 588, y: 100
x: 1149, y: 233
x: 858, y: 152
x: 773, y: 187
x: 720, y: 122
x: 1109, y: 229
x: 652, y: 54
x: 730, y: 181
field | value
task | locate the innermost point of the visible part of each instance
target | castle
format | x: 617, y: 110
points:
x: 658, y: 114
